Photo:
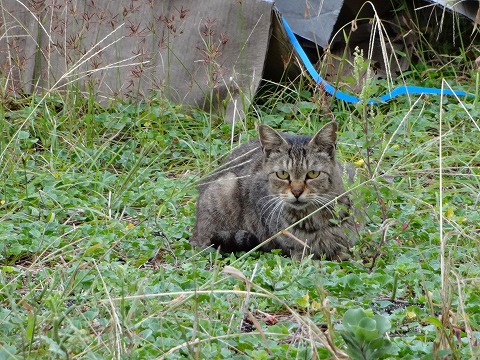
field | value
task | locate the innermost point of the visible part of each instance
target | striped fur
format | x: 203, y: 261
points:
x: 266, y: 186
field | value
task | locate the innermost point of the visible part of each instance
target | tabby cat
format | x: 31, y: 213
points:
x: 269, y: 184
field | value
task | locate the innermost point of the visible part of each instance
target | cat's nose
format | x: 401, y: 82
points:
x: 297, y: 192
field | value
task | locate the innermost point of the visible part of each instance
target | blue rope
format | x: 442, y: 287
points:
x: 329, y: 89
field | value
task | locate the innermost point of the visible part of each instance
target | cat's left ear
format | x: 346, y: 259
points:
x: 270, y: 139
x: 326, y: 138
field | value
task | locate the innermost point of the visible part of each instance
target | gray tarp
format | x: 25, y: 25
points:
x: 313, y: 20
x: 468, y: 8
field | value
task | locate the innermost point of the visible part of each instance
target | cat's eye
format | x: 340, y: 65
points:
x: 282, y: 175
x: 313, y: 174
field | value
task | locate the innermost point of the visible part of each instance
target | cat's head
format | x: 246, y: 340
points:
x: 301, y: 170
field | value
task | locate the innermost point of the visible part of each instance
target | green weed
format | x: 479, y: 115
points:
x: 97, y: 204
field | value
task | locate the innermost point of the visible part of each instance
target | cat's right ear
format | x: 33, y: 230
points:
x: 270, y: 139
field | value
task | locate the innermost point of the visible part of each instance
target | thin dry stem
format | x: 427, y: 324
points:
x: 117, y: 326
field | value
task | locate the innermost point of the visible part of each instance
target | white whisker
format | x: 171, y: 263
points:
x: 268, y: 204
x: 325, y: 203
x: 272, y: 211
x: 277, y: 209
x: 277, y: 228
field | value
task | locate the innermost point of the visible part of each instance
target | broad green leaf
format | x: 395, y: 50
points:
x: 352, y: 317
x: 434, y: 321
x: 367, y: 329
x: 383, y: 324
x: 22, y: 135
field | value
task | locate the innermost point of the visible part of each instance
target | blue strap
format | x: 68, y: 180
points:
x: 329, y: 89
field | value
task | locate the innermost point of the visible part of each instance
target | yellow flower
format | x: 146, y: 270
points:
x: 410, y: 315
x: 449, y: 214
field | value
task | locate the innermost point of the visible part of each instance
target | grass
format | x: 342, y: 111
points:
x: 97, y: 204
x: 96, y: 217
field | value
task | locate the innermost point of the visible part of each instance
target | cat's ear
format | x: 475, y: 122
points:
x: 270, y: 139
x: 326, y: 138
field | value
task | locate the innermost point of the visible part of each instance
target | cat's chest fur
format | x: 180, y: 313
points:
x: 285, y: 185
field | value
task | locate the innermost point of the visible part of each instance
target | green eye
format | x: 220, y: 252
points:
x: 312, y: 174
x: 282, y: 175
